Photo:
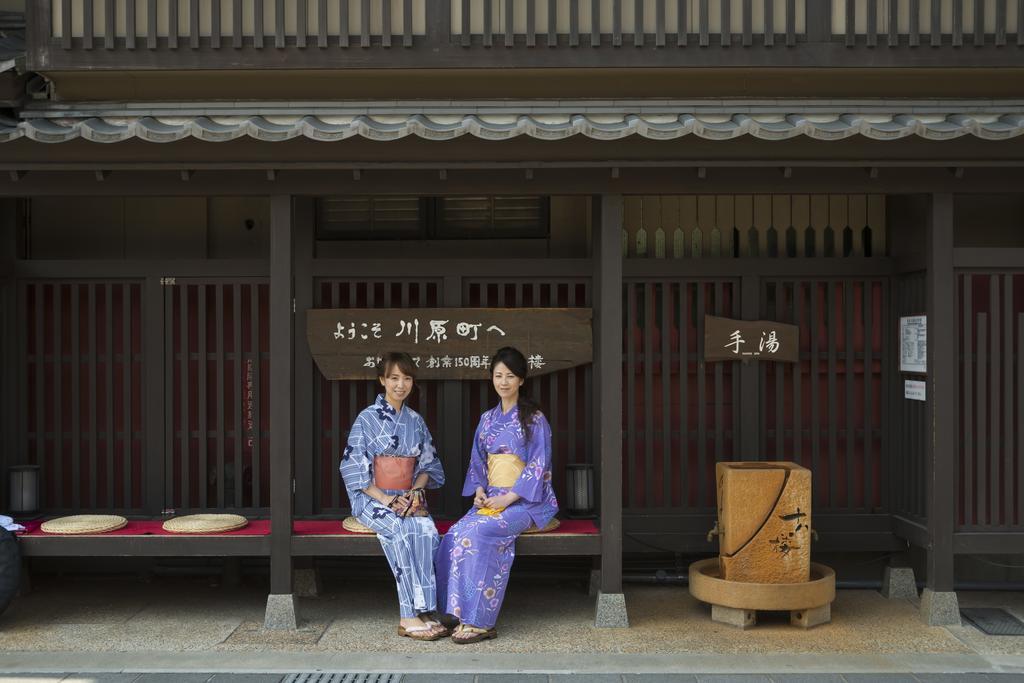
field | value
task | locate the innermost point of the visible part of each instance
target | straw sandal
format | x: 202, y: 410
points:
x: 420, y: 633
x: 435, y: 623
x: 478, y: 634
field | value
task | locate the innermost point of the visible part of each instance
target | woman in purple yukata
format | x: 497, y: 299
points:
x: 510, y: 480
x: 389, y: 460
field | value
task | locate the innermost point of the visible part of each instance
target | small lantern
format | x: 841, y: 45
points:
x: 24, y: 488
x: 580, y: 489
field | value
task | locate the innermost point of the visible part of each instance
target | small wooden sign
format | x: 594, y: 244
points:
x: 447, y: 343
x: 727, y: 339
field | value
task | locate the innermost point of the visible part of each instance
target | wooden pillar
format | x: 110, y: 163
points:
x: 607, y: 260
x: 819, y: 22
x: 281, y: 602
x: 8, y: 342
x: 939, y: 603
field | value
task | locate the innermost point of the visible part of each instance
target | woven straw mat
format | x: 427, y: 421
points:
x: 550, y: 526
x: 84, y: 524
x: 204, y: 524
x: 353, y: 525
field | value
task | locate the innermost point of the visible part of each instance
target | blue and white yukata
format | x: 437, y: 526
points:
x: 409, y: 542
x: 475, y: 557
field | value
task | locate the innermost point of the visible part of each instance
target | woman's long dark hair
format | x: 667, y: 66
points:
x: 516, y: 362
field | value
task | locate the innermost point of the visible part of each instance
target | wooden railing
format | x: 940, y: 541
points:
x: 332, y: 34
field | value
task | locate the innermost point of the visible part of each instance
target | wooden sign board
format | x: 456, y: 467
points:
x: 727, y: 339
x: 447, y: 343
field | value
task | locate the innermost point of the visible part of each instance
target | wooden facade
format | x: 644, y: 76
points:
x: 154, y: 295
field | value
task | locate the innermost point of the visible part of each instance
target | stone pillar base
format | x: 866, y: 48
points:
x: 611, y: 611
x: 733, y: 616
x: 281, y: 613
x: 809, y: 618
x: 306, y: 583
x: 898, y: 583
x: 940, y: 608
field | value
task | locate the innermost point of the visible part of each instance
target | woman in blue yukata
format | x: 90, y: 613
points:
x: 510, y: 480
x: 387, y: 464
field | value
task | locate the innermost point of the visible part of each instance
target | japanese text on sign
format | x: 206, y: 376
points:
x: 726, y: 339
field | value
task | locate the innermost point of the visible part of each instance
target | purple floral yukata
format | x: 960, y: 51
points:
x: 476, y: 554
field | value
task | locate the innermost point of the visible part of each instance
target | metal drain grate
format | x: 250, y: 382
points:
x: 342, y: 678
x: 994, y: 621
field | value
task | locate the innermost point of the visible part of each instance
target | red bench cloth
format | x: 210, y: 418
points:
x: 256, y: 527
x: 261, y: 527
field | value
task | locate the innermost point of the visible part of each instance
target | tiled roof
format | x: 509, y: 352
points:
x: 551, y: 122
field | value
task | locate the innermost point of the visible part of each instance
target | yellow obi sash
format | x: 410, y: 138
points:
x: 503, y: 470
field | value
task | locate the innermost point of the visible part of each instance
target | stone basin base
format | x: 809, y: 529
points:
x: 737, y: 603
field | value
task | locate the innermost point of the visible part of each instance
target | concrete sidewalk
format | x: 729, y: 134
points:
x: 514, y: 678
x: 124, y: 624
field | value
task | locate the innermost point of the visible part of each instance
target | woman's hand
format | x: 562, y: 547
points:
x: 500, y: 502
x: 479, y: 497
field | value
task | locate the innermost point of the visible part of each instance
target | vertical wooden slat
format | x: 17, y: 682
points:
x: 631, y: 353
x: 170, y: 294
x: 183, y: 421
x: 1020, y: 23
x: 93, y: 394
x: 254, y: 326
x: 465, y: 35
x: 510, y: 18
x: 719, y: 387
x: 849, y: 378
x: 1006, y: 372
x: 705, y: 23
x: 336, y: 425
x: 780, y: 380
x: 649, y: 330
x: 322, y: 39
x: 1020, y: 416
x: 407, y: 23
x: 796, y: 316
x: 127, y: 402
x: 172, y: 24
x: 979, y: 22
x: 385, y: 31
x: 574, y: 23
x: 236, y: 24
x: 790, y: 22
x: 683, y: 28
x: 302, y: 23
x: 201, y: 394
x: 76, y: 394
x: 57, y: 363
x: 221, y: 368
x: 1001, y: 22
x: 66, y: 25
x: 659, y: 23
x: 815, y: 376
x: 39, y: 358
x: 936, y: 24
x: 193, y: 24
x: 851, y: 22
x: 833, y: 431
x: 109, y: 392
x: 894, y: 31
x: 769, y: 23
x: 868, y: 312
x: 915, y: 22
x: 110, y: 24
x: 488, y: 32
x: 638, y: 23
x: 958, y: 22
x: 872, y: 39
x: 967, y: 393
x: 344, y: 30
x: 571, y: 390
x: 995, y: 377
x: 703, y: 498
x: 683, y: 313
x: 364, y: 24
x: 552, y: 24
x: 258, y: 29
x: 216, y: 30
x: 666, y: 399
x: 238, y: 391
x: 616, y: 23
x: 748, y: 22
x: 279, y: 23
x: 725, y: 30
x: 981, y: 380
x: 595, y: 23
x: 88, y: 30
